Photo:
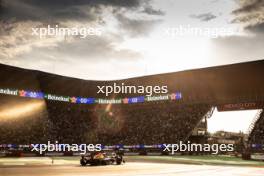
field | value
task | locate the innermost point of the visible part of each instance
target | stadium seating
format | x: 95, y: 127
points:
x: 256, y: 137
x: 166, y: 122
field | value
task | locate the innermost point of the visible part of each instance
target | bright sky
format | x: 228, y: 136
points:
x: 163, y: 52
x: 134, y: 41
x: 233, y: 121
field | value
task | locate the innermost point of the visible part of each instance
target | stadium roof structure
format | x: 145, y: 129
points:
x: 236, y: 83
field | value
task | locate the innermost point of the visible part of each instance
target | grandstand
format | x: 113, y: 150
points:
x: 231, y: 87
x: 256, y: 135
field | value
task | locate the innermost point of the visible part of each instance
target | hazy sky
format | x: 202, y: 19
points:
x: 233, y: 121
x: 136, y: 36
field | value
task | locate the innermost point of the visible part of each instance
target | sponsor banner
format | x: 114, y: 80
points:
x: 149, y: 146
x: 119, y: 146
x: 104, y: 147
x: 136, y: 100
x: 85, y: 100
x: 257, y: 146
x: 157, y: 98
x: 37, y: 95
x: 141, y: 146
x: 9, y: 92
x: 176, y: 96
x: 108, y: 101
x: 57, y: 98
x: 240, y: 106
x: 160, y: 146
x: 11, y: 145
x: 81, y: 100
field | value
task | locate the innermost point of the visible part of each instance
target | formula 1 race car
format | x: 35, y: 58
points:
x: 100, y: 158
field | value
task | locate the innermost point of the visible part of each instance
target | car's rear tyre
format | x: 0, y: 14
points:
x: 83, y: 163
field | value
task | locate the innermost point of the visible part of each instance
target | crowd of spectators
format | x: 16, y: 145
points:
x: 257, y: 134
x: 165, y: 122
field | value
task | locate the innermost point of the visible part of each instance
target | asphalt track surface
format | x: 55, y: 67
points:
x: 131, y: 169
